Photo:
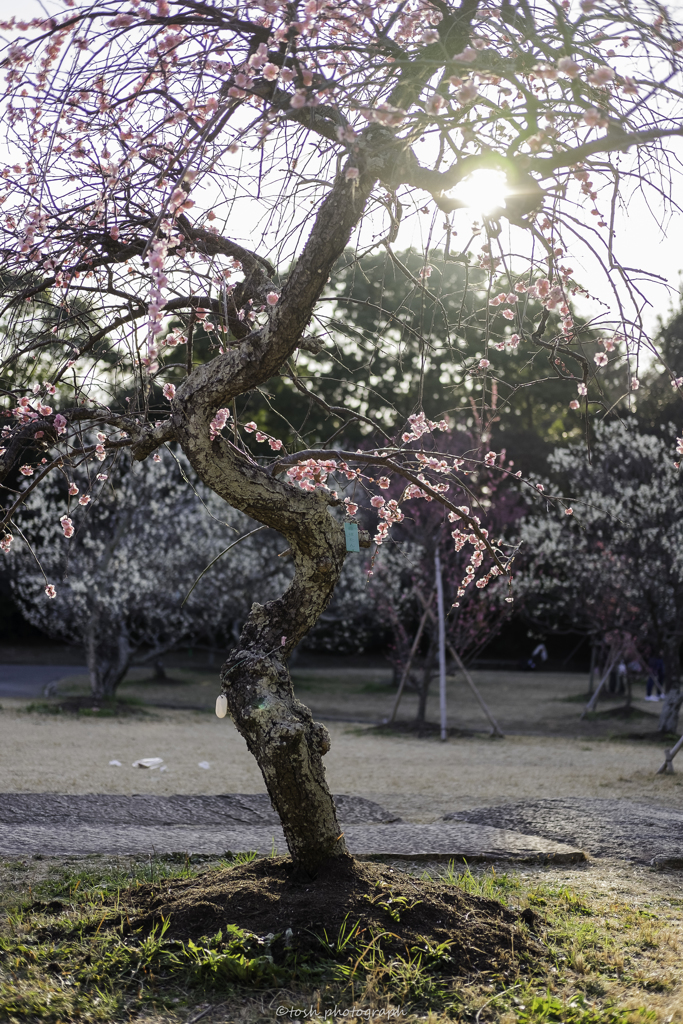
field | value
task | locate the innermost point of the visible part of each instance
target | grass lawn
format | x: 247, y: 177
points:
x: 608, y: 941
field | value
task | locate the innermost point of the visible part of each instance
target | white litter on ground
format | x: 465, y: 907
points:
x: 117, y: 764
x: 203, y: 764
x: 148, y: 762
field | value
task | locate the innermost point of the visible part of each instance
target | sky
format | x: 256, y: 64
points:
x: 641, y: 242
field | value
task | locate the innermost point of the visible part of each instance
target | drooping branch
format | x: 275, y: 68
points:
x: 389, y: 462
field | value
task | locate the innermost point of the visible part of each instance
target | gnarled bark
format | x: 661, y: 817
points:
x: 280, y: 732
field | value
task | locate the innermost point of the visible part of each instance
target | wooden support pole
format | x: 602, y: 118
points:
x: 413, y: 651
x: 495, y: 728
x: 668, y: 768
x: 594, y: 654
x: 442, y: 647
x: 594, y: 699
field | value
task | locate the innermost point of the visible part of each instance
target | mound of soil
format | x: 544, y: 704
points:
x: 265, y: 897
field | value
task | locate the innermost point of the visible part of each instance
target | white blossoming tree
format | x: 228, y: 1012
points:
x: 618, y: 563
x: 186, y: 175
x: 127, y: 555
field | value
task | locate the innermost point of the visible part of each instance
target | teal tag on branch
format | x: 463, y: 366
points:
x: 351, y: 531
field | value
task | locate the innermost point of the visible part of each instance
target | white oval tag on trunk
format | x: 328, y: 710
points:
x: 221, y: 706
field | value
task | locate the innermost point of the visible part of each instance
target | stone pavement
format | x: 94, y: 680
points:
x: 646, y: 833
x: 57, y: 825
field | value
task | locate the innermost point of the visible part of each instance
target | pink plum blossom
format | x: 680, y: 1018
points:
x: 573, y: 404
x: 582, y: 389
x: 601, y: 76
x: 84, y: 499
x: 601, y: 359
x: 50, y: 590
x: 593, y: 118
x: 218, y: 422
x: 467, y: 93
x: 73, y: 489
x: 26, y: 470
x: 169, y: 391
x: 484, y: 364
x: 272, y: 298
x: 568, y: 67
x: 60, y: 423
x: 635, y: 383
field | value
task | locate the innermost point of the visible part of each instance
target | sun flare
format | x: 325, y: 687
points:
x: 483, y: 191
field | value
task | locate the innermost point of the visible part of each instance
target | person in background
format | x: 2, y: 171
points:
x: 655, y: 678
x: 539, y: 654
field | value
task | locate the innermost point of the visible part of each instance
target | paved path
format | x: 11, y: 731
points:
x: 30, y: 680
x: 53, y: 825
x: 603, y: 828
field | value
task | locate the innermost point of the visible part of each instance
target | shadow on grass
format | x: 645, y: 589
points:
x: 87, y: 706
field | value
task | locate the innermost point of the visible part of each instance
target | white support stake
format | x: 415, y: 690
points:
x: 442, y: 646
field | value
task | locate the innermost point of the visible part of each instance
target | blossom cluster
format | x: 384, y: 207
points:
x: 419, y: 425
x: 274, y: 442
x: 312, y: 473
x: 218, y: 422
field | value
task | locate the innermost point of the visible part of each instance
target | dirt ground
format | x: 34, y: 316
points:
x: 547, y: 751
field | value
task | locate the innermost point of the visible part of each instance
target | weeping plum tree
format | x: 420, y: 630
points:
x: 182, y: 178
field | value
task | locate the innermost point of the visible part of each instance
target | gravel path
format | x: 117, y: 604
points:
x: 28, y: 681
x: 418, y: 780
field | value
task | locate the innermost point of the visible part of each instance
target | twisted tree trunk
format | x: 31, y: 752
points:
x: 279, y: 730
